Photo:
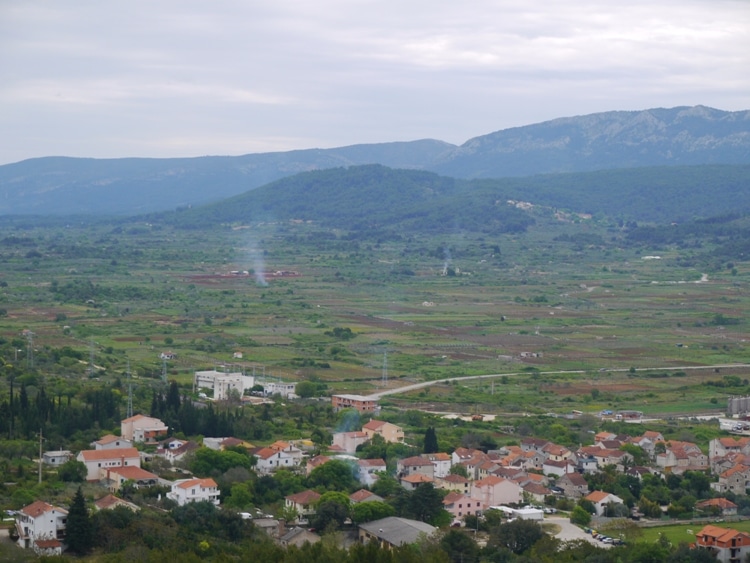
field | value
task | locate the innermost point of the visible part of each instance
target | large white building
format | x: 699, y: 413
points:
x: 194, y: 490
x: 98, y: 461
x: 41, y: 527
x: 222, y: 383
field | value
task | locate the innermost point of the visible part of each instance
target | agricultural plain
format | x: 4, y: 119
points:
x: 569, y: 314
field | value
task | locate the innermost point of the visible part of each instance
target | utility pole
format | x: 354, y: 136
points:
x: 40, y: 456
x: 385, y: 369
x: 130, y: 394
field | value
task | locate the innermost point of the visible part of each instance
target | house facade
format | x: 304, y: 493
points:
x: 726, y: 545
x: 304, y: 503
x: 494, y: 491
x: 97, y: 461
x: 391, y: 433
x: 360, y: 402
x: 140, y: 428
x: 41, y: 527
x: 185, y: 491
x: 111, y: 442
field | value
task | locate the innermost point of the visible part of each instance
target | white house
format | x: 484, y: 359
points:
x: 369, y: 469
x: 41, y: 527
x: 442, y: 463
x: 111, y: 442
x: 289, y: 450
x: 140, y: 428
x: 194, y: 490
x: 98, y: 460
x: 56, y: 458
x: 270, y: 460
x: 601, y: 500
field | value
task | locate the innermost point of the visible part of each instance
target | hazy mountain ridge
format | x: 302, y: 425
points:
x: 63, y: 185
x: 618, y: 139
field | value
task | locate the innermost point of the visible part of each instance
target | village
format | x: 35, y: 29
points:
x: 619, y: 476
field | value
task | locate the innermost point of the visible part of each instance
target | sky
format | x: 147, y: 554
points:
x: 175, y: 78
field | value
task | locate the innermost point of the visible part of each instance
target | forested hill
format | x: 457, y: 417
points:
x: 365, y: 198
x: 611, y: 140
x: 374, y: 197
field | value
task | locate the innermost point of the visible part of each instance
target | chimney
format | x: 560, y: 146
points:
x: 281, y: 527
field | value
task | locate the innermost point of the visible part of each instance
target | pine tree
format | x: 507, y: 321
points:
x: 78, y: 529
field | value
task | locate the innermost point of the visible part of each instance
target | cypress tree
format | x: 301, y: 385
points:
x: 430, y: 441
x: 78, y: 529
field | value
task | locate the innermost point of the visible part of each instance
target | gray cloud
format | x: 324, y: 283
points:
x: 183, y: 78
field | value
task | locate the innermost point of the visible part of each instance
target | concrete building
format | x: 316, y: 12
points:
x: 222, y: 384
x: 56, y: 458
x: 362, y: 403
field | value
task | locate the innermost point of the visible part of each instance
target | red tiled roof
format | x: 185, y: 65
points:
x: 132, y: 472
x: 361, y: 495
x: 205, y: 483
x: 597, y: 496
x: 115, y: 453
x: 36, y: 509
x: 305, y: 497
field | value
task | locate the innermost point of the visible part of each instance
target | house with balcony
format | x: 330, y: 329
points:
x: 185, y: 491
x: 41, y: 527
x: 304, y: 503
x: 391, y: 433
x: 725, y: 544
x: 140, y: 428
x: 269, y: 460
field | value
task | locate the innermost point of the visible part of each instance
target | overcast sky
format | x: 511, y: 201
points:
x: 164, y: 78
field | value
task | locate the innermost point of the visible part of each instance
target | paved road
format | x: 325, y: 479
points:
x: 424, y: 384
x: 569, y: 532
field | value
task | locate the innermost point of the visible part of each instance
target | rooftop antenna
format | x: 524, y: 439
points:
x: 130, y: 394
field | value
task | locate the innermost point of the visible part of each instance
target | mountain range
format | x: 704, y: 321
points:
x: 603, y: 141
